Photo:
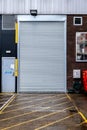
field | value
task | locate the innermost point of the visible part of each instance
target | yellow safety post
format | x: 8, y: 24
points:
x: 16, y: 68
x: 16, y: 32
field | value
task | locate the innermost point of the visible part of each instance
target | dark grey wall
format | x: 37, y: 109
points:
x: 0, y: 52
x: 7, y: 42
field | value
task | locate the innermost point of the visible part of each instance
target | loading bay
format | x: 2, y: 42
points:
x: 43, y: 111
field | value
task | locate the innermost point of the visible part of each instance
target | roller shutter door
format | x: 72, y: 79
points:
x: 41, y: 57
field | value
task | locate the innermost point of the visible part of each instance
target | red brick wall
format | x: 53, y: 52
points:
x: 71, y: 50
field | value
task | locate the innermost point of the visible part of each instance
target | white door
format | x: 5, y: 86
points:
x: 8, y: 78
x: 42, y: 57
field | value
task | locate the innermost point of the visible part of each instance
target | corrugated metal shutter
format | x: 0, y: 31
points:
x: 42, y: 57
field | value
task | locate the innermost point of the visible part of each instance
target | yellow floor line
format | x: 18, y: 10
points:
x: 41, y: 117
x: 31, y: 112
x: 7, y: 103
x: 36, y: 98
x: 28, y: 96
x: 83, y: 117
x: 6, y: 93
x: 15, y: 104
x: 39, y: 98
x: 54, y: 122
x: 84, y: 122
x: 18, y: 109
x: 25, y: 98
x: 27, y: 101
x: 31, y: 106
x: 5, y: 97
x: 80, y: 113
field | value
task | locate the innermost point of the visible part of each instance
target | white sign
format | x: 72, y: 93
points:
x: 12, y: 66
x: 76, y: 73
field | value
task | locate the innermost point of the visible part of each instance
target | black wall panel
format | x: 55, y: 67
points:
x: 7, y: 42
x: 0, y: 50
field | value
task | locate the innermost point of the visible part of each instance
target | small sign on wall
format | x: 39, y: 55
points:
x: 76, y: 73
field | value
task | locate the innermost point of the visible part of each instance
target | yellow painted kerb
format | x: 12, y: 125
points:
x: 16, y: 32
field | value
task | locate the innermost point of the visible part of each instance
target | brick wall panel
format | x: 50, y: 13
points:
x: 71, y: 48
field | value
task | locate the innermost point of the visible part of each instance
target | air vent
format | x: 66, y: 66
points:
x: 8, y: 22
x: 77, y: 21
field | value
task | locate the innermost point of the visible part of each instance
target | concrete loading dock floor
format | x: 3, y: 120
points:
x: 43, y: 112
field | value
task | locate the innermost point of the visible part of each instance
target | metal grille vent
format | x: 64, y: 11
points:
x: 8, y: 22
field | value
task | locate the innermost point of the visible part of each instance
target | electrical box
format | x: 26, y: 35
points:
x: 76, y: 73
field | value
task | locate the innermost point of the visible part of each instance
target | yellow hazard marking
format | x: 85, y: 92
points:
x: 7, y: 103
x: 54, y: 122
x: 6, y: 93
x: 80, y: 113
x: 46, y: 97
x: 30, y: 106
x: 16, y: 104
x: 40, y: 98
x: 69, y: 97
x: 17, y: 109
x: 16, y: 32
x: 27, y: 100
x: 41, y: 117
x: 83, y: 117
x: 81, y: 123
x: 31, y: 112
x: 72, y: 101
x: 32, y: 101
